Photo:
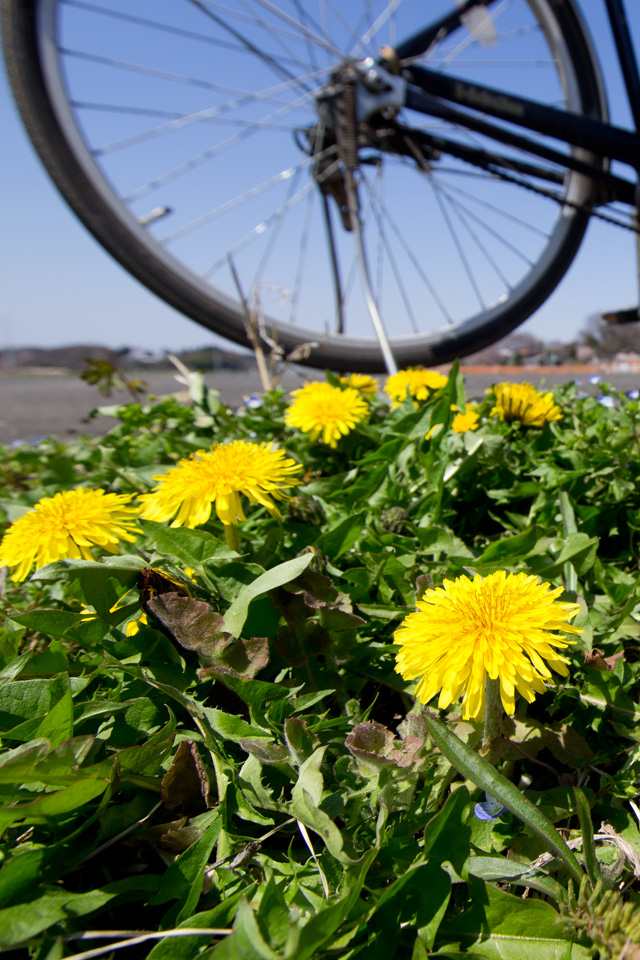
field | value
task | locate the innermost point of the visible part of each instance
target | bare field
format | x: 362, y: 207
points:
x: 38, y: 405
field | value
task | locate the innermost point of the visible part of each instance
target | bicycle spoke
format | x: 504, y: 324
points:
x: 457, y: 244
x: 381, y: 222
x: 273, y: 64
x: 461, y: 215
x: 203, y: 116
x: 193, y: 162
x: 267, y: 95
x: 262, y: 227
x: 312, y: 35
x: 498, y: 211
x: 275, y: 34
x: 251, y: 194
x: 171, y: 29
x: 302, y: 257
x: 375, y: 28
x: 470, y: 40
x: 273, y: 239
x: 390, y: 222
x: 311, y: 51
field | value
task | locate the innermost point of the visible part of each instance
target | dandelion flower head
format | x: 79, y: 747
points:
x: 521, y: 401
x: 505, y: 626
x: 219, y: 476
x: 68, y: 525
x: 463, y: 422
x: 418, y: 381
x: 326, y: 412
x: 362, y: 382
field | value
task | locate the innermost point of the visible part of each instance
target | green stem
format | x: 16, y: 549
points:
x: 231, y: 536
x: 492, y: 711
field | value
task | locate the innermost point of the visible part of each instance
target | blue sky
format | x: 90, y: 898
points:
x: 60, y: 287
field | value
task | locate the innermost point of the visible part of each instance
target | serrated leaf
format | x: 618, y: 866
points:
x: 236, y: 614
x: 191, y: 547
x: 480, y: 772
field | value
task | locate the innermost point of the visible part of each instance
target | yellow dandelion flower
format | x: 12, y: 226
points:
x: 362, y: 382
x: 462, y: 422
x: 133, y: 626
x: 418, y: 381
x: 219, y: 476
x: 521, y: 401
x: 68, y: 524
x: 326, y: 412
x: 502, y: 626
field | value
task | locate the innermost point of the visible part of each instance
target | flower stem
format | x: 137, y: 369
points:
x: 231, y: 536
x: 492, y: 710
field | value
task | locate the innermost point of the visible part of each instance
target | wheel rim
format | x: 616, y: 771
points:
x: 418, y: 224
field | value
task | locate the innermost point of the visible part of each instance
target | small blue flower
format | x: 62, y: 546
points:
x: 489, y: 809
x: 581, y: 396
x: 606, y: 401
x: 595, y: 378
x: 633, y: 394
x: 253, y: 401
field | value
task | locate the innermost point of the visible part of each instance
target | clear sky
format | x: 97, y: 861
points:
x: 60, y: 287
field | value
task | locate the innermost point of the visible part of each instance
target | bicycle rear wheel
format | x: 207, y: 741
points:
x: 189, y: 139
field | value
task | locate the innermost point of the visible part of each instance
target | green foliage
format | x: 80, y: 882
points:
x: 211, y: 745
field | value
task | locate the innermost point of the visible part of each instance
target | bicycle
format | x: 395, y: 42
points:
x: 274, y: 159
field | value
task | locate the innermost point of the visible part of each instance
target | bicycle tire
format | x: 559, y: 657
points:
x: 32, y: 61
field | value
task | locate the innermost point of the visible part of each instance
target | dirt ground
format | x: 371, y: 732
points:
x: 33, y: 406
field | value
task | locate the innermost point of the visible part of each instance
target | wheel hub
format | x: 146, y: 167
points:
x: 356, y: 108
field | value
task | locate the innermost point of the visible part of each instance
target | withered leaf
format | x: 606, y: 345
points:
x: 185, y: 785
x: 374, y: 743
x: 197, y: 626
x: 192, y: 623
x: 264, y: 751
x: 596, y: 659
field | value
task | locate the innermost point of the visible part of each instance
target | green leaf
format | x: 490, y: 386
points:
x: 320, y: 930
x: 480, y: 772
x: 29, y: 699
x: 20, y: 872
x: 501, y: 926
x: 187, y: 948
x: 50, y: 805
x: 588, y: 845
x: 16, y: 766
x: 183, y: 879
x: 495, y: 869
x: 57, y: 726
x: 93, y: 579
x: 236, y: 615
x: 306, y: 797
x: 447, y: 836
x: 191, y: 547
x: 15, y: 666
x: 246, y: 942
x: 63, y: 623
x: 231, y: 727
x: 511, y: 548
x: 18, y: 925
x: 342, y: 536
x: 420, y: 898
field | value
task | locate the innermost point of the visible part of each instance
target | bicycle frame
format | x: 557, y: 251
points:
x: 426, y: 90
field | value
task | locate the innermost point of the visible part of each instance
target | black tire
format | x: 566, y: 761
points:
x: 44, y: 105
